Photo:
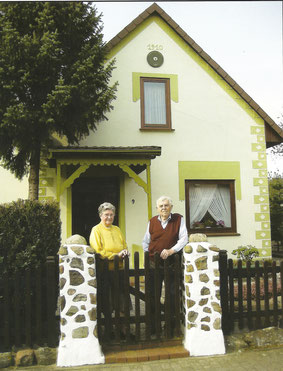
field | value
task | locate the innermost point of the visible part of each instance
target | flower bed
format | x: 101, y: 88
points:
x: 253, y: 289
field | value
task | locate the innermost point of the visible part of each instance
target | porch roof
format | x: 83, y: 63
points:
x: 136, y: 158
x: 145, y: 152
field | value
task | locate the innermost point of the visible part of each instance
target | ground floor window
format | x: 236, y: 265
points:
x: 210, y: 206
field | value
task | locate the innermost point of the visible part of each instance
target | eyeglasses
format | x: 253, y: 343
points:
x: 110, y: 216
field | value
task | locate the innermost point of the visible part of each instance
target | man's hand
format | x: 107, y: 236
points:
x: 165, y: 253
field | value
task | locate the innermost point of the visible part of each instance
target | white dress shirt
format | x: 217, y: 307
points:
x: 182, y: 239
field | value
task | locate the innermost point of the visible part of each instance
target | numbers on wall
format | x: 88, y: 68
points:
x: 154, y: 47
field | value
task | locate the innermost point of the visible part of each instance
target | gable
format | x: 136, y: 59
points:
x: 154, y: 13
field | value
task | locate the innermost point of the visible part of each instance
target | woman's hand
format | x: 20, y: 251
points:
x: 123, y: 253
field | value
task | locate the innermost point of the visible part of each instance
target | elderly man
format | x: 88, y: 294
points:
x: 166, y: 235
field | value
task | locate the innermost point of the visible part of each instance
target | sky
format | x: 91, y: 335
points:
x: 243, y: 37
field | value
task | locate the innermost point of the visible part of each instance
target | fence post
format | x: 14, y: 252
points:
x: 78, y: 303
x: 223, y: 270
x: 51, y: 290
x: 203, y: 334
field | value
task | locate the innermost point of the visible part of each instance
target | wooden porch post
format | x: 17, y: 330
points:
x: 149, y: 200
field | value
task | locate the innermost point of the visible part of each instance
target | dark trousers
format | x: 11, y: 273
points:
x: 153, y: 286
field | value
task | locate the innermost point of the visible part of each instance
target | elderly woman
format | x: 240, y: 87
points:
x: 107, y: 241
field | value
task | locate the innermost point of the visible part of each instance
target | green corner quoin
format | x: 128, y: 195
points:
x: 173, y: 84
x: 209, y: 170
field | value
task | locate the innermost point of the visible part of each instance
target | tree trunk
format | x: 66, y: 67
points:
x: 34, y: 175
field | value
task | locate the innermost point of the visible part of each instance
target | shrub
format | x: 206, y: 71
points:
x: 29, y: 232
x: 246, y: 253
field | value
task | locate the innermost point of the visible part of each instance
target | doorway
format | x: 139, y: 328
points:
x: 87, y: 195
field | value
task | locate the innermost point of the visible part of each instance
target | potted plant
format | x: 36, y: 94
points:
x: 208, y: 223
x: 220, y: 224
x: 198, y: 225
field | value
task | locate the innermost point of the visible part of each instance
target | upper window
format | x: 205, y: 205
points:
x: 155, y: 103
x: 210, y: 206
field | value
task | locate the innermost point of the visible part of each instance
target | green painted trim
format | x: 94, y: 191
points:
x: 260, y: 139
x: 46, y: 182
x: 122, y: 206
x: 262, y: 173
x: 258, y: 147
x: 257, y: 130
x: 208, y: 170
x: 58, y: 182
x: 265, y: 225
x: 266, y: 243
x: 130, y: 36
x: 173, y: 84
x: 261, y: 156
x: 76, y: 174
x: 149, y: 195
x: 265, y: 253
x: 48, y: 198
x: 261, y: 217
x: 135, y: 176
x: 264, y: 208
x: 69, y: 212
x: 263, y: 190
x: 262, y: 199
x: 257, y: 164
x: 260, y: 235
x: 188, y: 50
x: 102, y: 162
x: 260, y: 182
x: 42, y: 191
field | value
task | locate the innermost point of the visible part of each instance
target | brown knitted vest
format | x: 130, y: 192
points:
x: 163, y: 238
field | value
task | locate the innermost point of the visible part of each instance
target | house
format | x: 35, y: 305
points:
x: 181, y: 126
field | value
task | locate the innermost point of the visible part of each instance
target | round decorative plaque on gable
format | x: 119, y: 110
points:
x: 155, y: 59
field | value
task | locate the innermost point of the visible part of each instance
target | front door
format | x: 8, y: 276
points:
x: 87, y: 195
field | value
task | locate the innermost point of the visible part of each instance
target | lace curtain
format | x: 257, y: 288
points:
x: 211, y: 198
x: 154, y: 103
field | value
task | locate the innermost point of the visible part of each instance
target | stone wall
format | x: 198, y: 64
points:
x: 203, y: 334
x: 78, y: 341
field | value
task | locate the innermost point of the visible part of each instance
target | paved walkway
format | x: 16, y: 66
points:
x: 270, y: 359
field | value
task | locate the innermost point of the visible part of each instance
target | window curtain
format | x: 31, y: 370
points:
x: 210, y: 198
x: 154, y: 103
x: 220, y: 208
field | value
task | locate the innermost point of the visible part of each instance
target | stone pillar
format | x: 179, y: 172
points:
x: 203, y: 334
x: 78, y: 341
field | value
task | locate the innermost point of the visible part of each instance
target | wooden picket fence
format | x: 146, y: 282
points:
x: 251, y: 296
x: 28, y: 303
x: 137, y: 323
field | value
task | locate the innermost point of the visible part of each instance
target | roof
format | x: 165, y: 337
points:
x: 145, y: 152
x: 274, y: 134
x: 136, y: 157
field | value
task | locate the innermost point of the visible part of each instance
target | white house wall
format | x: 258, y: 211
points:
x: 11, y: 188
x: 210, y: 122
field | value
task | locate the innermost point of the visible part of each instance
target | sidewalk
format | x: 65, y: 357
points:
x: 269, y: 359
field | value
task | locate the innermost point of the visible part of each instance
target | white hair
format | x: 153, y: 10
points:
x: 106, y: 206
x: 164, y: 198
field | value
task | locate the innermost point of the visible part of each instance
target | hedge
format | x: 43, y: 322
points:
x: 29, y: 232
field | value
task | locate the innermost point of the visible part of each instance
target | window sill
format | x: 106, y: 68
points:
x: 214, y: 234
x: 157, y: 129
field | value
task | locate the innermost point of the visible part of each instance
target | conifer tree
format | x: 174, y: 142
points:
x: 54, y: 79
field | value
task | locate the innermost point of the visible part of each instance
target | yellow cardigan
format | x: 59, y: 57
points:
x: 107, y: 241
